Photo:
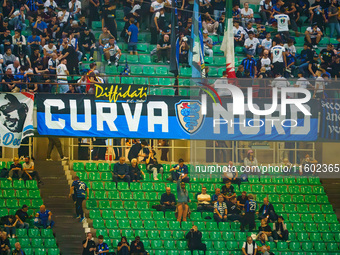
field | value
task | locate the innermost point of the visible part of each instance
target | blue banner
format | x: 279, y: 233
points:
x: 330, y: 119
x: 172, y: 118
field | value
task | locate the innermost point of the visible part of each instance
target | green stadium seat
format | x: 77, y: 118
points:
x: 123, y: 186
x: 37, y: 242
x: 307, y: 218
x: 298, y: 227
x: 149, y: 225
x: 179, y: 235
x: 156, y: 244
x: 294, y: 189
x: 163, y: 225
x: 328, y: 237
x: 161, y: 71
x: 126, y: 195
x: 128, y: 233
x: 12, y: 203
x: 231, y: 245
x: 33, y: 233
x: 151, y: 196
x: 40, y: 251
x: 186, y: 225
x: 158, y: 215
x: 235, y: 226
x: 169, y: 245
x: 147, y: 187
x: 110, y: 186
x: 128, y: 80
x: 331, y: 218
x: 50, y: 243
x: 294, y: 217
x: 185, y: 71
x: 98, y: 223
x: 114, y: 233
x: 169, y: 215
x: 104, y: 204
x: 97, y: 185
x: 124, y: 224
x: 211, y: 226
x: 306, y: 189
x: 120, y: 215
x: 52, y: 251
x: 323, y: 227
x: 280, y: 189
x: 165, y: 235
x: 153, y: 234
x: 269, y: 189
x: 135, y: 70
x: 314, y: 208
x: 107, y: 214
x: 310, y: 199
x: 314, y: 180
x: 302, y: 208
x: 6, y: 184
x: 315, y: 237
x: 319, y: 218
x: 320, y: 246
x: 323, y: 199
x: 91, y: 204
x: 332, y: 247
x: 138, y: 196
x: 142, y: 206
x: 301, y: 180
x: 181, y: 245
x: 18, y: 184
x: 148, y: 70
x: 103, y: 167
x: 318, y: 190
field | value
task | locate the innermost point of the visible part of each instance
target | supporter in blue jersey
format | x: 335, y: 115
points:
x: 43, y: 218
x: 102, y: 248
x: 80, y: 192
x: 249, y: 216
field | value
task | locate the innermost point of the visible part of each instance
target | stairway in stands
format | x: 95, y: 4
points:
x: 332, y: 189
x: 69, y: 232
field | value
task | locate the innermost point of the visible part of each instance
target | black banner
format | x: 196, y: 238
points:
x: 120, y: 92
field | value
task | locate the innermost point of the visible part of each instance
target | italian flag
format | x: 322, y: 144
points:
x: 228, y: 40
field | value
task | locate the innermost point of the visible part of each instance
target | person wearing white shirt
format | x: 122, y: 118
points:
x: 265, y: 61
x: 313, y: 35
x: 280, y: 82
x: 17, y: 19
x: 48, y: 3
x: 267, y: 42
x: 239, y: 34
x: 63, y: 16
x: 282, y: 24
x: 251, y: 44
x: 203, y: 200
x: 320, y: 84
x: 62, y: 73
x: 249, y: 247
x: 247, y: 14
x: 278, y: 55
x: 302, y: 82
x: 75, y: 8
x: 290, y: 47
x: 265, y: 10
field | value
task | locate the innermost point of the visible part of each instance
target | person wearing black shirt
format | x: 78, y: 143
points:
x: 72, y: 58
x: 195, y: 240
x: 123, y: 247
x: 135, y: 149
x: 233, y: 210
x: 326, y: 55
x: 306, y: 56
x: 137, y: 247
x: 121, y: 171
x: 89, y: 246
x: 6, y: 41
x: 168, y: 200
x: 228, y: 191
x: 22, y: 215
x: 18, y: 250
x: 313, y: 65
x: 336, y: 68
x: 241, y: 200
x: 267, y: 211
x: 317, y: 12
x: 15, y: 170
x: 152, y: 165
x: 266, y: 229
x: 108, y: 13
x: 5, y: 246
x: 280, y: 231
x: 163, y: 49
x: 87, y: 43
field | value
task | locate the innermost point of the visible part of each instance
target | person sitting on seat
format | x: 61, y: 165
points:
x: 280, y: 231
x: 241, y: 200
x: 18, y: 250
x: 5, y: 248
x: 152, y: 165
x: 231, y: 174
x: 15, y: 170
x: 233, y: 210
x: 28, y: 171
x: 183, y: 200
x: 228, y: 191
x: 121, y: 171
x: 264, y: 247
x: 249, y: 247
x: 267, y: 211
x: 266, y: 229
x: 168, y: 200
x: 135, y: 172
x: 220, y: 210
x: 195, y: 240
x: 43, y: 218
x: 123, y: 247
x: 180, y: 171
x: 204, y: 201
x: 214, y: 197
x: 137, y: 247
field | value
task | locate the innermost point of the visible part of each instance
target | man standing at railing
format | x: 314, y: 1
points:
x: 62, y: 73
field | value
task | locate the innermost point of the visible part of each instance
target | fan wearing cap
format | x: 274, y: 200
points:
x: 313, y: 35
x: 208, y: 44
x: 87, y: 42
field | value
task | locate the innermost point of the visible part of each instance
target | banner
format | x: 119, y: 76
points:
x: 176, y: 118
x: 120, y: 92
x: 330, y: 119
x: 16, y: 118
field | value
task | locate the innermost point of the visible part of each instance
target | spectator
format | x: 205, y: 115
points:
x: 251, y: 45
x: 9, y: 58
x: 204, y: 200
x: 249, y: 64
x: 249, y: 28
x: 266, y: 62
x: 112, y: 52
x: 333, y: 21
x: 210, y: 24
x: 280, y: 82
x: 239, y: 34
x: 54, y: 141
x: 49, y: 49
x: 9, y: 225
x: 306, y: 56
x: 28, y: 171
x: 233, y: 210
x: 135, y: 172
x: 249, y: 216
x: 43, y: 218
x: 71, y: 56
x: 137, y: 247
x: 220, y: 210
x: 265, y: 229
x: 241, y: 200
x: 263, y: 246
x: 278, y: 58
x: 15, y: 170
x: 180, y: 172
x: 19, y: 42
x: 40, y: 27
x: 313, y: 35
x: 94, y: 4
x: 21, y: 215
x: 239, y: 72
x: 132, y: 31
x: 306, y: 164
x: 72, y: 89
x: 89, y: 246
x: 62, y: 73
x: 208, y: 44
x: 87, y: 42
x: 236, y: 13
x: 302, y: 83
x: 33, y: 42
x: 326, y: 55
x: 6, y: 41
x: 163, y: 49
x: 18, y: 250
x: 104, y: 39
x: 280, y: 231
x: 63, y: 17
x: 80, y: 192
x: 317, y: 14
x: 121, y: 171
x: 74, y: 7
x: 228, y: 191
x: 5, y: 246
x: 231, y: 174
x: 183, y: 200
x: 135, y: 149
x: 214, y: 197
x: 123, y: 247
x: 17, y: 20
x: 108, y: 13
x: 282, y: 25
x: 267, y: 211
x: 15, y: 67
x: 152, y: 165
x: 168, y: 200
x: 265, y: 10
x: 102, y: 248
x: 194, y: 237
x: 313, y: 66
x: 184, y: 51
x: 247, y: 14
x: 267, y: 42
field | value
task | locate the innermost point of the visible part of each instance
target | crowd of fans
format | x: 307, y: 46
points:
x: 51, y: 38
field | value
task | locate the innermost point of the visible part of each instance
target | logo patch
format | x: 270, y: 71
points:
x: 189, y: 115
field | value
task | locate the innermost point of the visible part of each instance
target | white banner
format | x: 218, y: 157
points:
x: 16, y: 118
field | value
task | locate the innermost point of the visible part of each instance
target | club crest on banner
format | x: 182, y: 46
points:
x: 189, y: 115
